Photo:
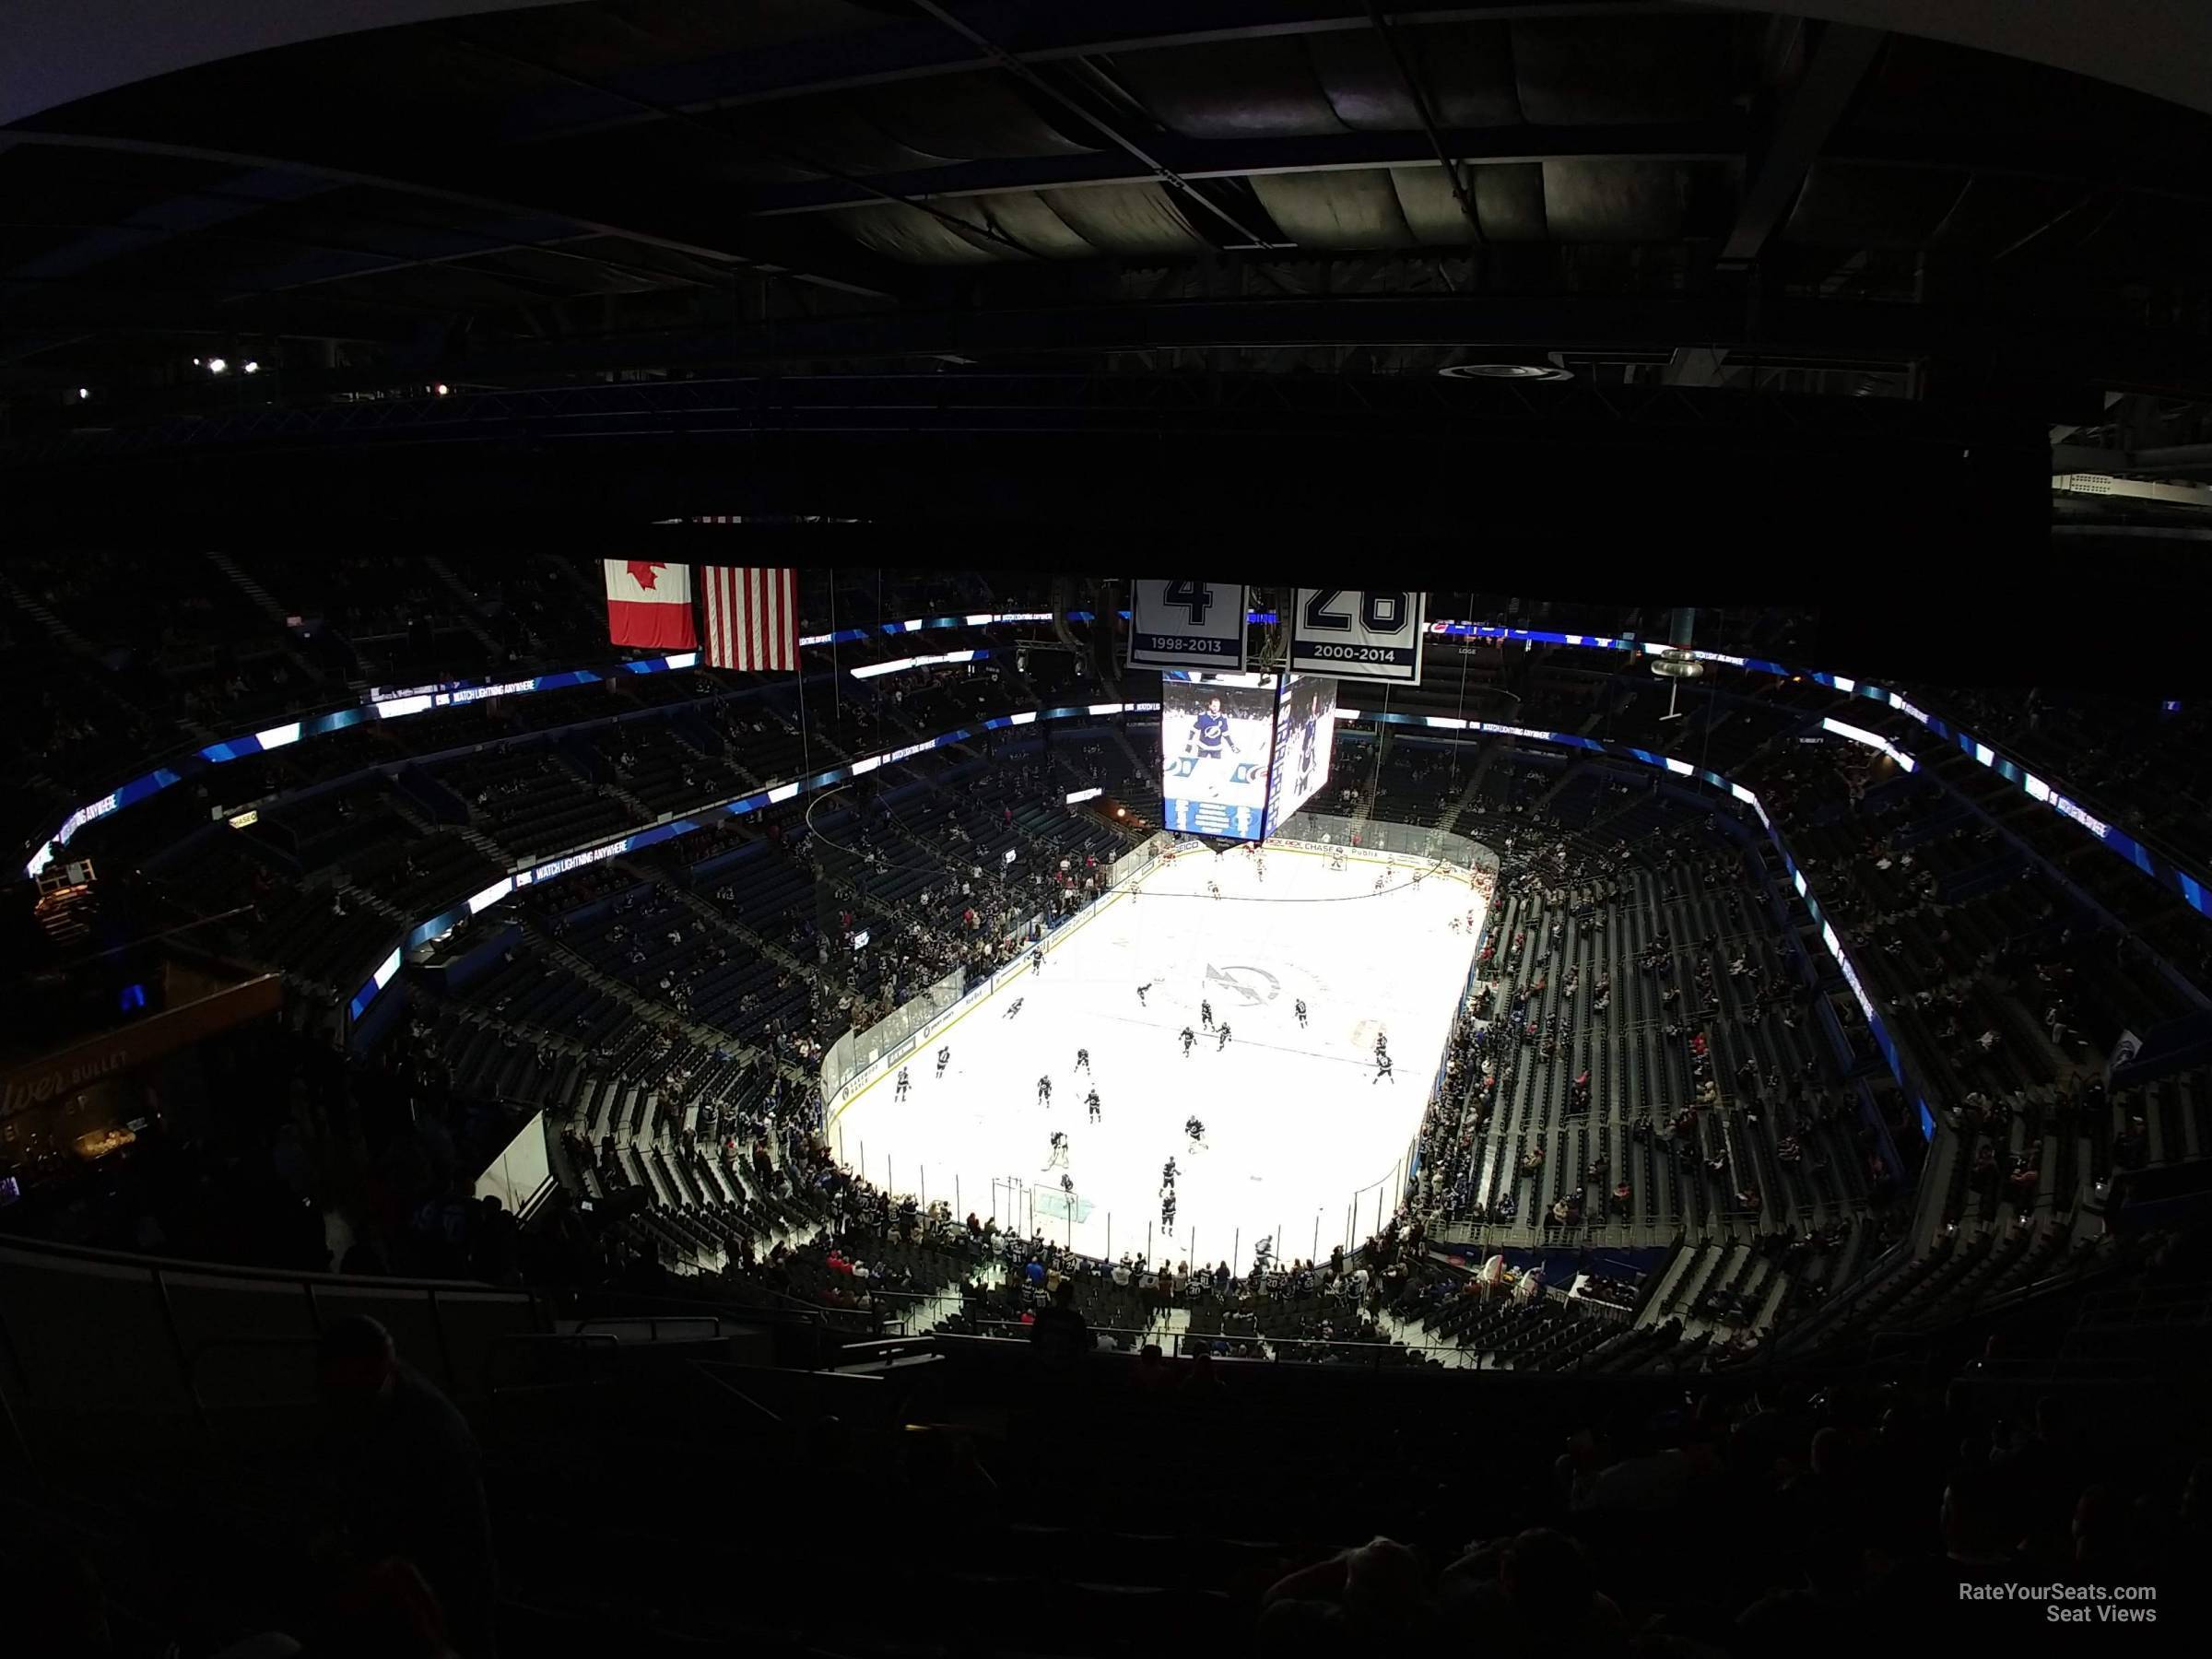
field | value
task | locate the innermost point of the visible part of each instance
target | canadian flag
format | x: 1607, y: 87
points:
x: 649, y: 603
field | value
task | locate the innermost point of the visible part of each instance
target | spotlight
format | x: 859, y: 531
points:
x: 83, y: 393
x: 251, y: 367
x: 216, y: 365
x: 196, y: 362
x: 441, y: 389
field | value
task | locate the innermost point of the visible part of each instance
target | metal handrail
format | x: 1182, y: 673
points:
x: 713, y: 1375
x: 289, y: 1276
x: 651, y: 1322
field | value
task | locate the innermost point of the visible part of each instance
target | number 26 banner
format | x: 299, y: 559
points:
x: 1358, y: 634
x: 1187, y: 624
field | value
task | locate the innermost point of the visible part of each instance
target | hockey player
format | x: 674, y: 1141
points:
x: 1223, y: 1042
x: 905, y: 1083
x: 1045, y: 1092
x: 1196, y: 1133
x: 1381, y: 1047
x: 1012, y: 1011
x: 1382, y: 1070
x: 1091, y: 1101
x: 1189, y: 1037
x: 944, y: 1059
x: 1057, y: 1157
x: 1082, y: 1059
x: 1067, y: 1185
x: 1206, y: 1015
x: 1037, y: 959
x: 1168, y: 1172
x: 1210, y: 735
x: 1214, y: 888
x: 1140, y: 995
x: 1299, y: 1009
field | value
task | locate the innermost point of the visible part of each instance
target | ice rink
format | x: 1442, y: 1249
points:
x: 1297, y: 1127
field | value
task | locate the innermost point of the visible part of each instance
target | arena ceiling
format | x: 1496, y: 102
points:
x: 432, y: 220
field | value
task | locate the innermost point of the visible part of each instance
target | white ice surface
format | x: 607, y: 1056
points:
x: 1298, y: 1130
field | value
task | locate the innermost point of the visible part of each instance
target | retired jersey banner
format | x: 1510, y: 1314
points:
x: 1187, y: 624
x: 1358, y: 634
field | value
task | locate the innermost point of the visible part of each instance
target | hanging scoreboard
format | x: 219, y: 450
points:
x: 1305, y: 737
x: 1187, y: 624
x: 1217, y: 740
x: 1358, y: 634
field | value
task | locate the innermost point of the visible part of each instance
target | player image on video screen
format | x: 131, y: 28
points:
x: 1304, y: 744
x: 1215, y: 737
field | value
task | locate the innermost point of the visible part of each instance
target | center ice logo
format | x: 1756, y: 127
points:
x: 1246, y: 982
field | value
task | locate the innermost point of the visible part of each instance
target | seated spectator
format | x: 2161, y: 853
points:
x: 1060, y: 1334
x: 404, y: 1469
x: 1530, y: 1597
x: 1372, y: 1599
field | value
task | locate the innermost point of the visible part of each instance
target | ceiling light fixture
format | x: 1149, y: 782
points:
x: 1509, y: 371
x: 216, y: 365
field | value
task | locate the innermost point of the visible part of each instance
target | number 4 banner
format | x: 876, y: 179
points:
x: 1187, y: 625
x: 1358, y: 634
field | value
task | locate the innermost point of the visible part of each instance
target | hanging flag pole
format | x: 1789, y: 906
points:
x: 836, y: 689
x: 798, y: 673
x: 753, y: 627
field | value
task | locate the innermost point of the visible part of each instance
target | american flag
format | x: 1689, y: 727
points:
x: 752, y: 618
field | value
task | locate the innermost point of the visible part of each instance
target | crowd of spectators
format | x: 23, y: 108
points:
x: 1850, y: 1508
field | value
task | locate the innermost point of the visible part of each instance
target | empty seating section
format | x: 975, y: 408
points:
x: 652, y: 763
x: 311, y: 934
x: 1642, y: 1060
x: 533, y: 802
x: 415, y: 875
x: 327, y: 829
x: 2144, y: 764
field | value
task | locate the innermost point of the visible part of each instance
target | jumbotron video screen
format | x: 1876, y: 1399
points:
x: 1305, y: 741
x: 1216, y: 737
x: 1240, y: 752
